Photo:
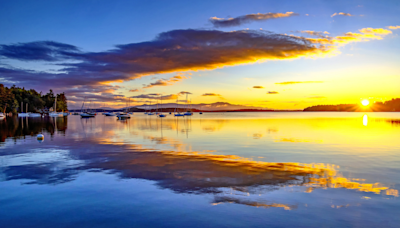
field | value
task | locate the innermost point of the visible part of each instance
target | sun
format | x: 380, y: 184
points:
x: 365, y: 102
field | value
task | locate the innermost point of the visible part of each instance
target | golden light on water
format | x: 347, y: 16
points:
x: 365, y: 102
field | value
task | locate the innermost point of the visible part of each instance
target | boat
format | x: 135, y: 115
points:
x: 55, y: 113
x: 176, y: 113
x: 124, y: 115
x: 160, y: 115
x: 76, y: 114
x: 86, y: 114
x: 35, y: 115
x: 109, y: 114
x: 23, y: 114
x: 2, y: 116
x: 188, y: 112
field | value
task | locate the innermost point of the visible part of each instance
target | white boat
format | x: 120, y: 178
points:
x: 87, y: 115
x: 188, y: 112
x: 65, y: 113
x: 160, y: 114
x: 35, y: 115
x: 123, y: 116
x: 176, y: 112
x: 23, y: 114
x: 56, y: 114
x: 2, y: 116
x: 109, y: 114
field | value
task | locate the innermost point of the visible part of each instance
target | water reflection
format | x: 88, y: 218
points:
x: 20, y: 127
x: 144, y: 148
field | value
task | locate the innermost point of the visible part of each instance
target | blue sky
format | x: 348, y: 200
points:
x: 97, y: 26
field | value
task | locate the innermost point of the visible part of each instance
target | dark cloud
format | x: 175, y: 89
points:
x: 173, y: 51
x: 211, y: 95
x: 222, y: 22
x: 258, y: 87
x: 157, y: 96
x: 40, y: 50
x: 166, y: 82
x: 272, y: 92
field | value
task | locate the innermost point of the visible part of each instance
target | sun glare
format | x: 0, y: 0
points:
x: 365, y: 102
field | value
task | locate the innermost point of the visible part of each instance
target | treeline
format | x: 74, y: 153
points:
x: 11, y: 98
x: 387, y: 106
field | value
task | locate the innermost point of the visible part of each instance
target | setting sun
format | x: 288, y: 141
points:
x: 365, y: 102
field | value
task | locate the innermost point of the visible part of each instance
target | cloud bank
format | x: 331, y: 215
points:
x: 90, y: 73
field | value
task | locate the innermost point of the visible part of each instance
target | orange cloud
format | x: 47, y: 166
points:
x: 366, y: 34
x: 297, y: 82
x: 258, y: 87
x: 166, y: 82
x: 272, y: 92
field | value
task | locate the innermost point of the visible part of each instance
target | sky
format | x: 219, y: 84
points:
x: 266, y: 54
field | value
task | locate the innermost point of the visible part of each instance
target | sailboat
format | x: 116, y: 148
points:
x: 176, y: 112
x: 86, y: 114
x: 55, y: 114
x: 124, y: 115
x: 200, y: 110
x: 129, y: 105
x: 150, y: 113
x: 23, y: 114
x: 3, y: 115
x: 161, y: 115
x: 188, y: 112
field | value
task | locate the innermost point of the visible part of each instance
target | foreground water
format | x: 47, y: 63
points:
x: 210, y: 170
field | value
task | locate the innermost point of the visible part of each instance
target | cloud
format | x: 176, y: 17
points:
x: 366, y: 34
x: 40, y: 50
x: 157, y: 96
x: 297, y: 82
x: 394, y: 27
x: 229, y: 22
x: 258, y: 87
x: 166, y: 82
x: 135, y: 90
x: 314, y: 33
x: 172, y: 51
x: 211, y: 95
x: 342, y: 14
x: 272, y: 92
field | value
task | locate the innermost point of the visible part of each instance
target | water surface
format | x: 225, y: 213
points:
x: 210, y: 170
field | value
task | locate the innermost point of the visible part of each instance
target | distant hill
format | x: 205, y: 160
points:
x: 387, y: 106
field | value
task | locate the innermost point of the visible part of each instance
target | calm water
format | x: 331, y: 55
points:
x: 210, y: 170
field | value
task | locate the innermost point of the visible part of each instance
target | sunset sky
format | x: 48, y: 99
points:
x: 270, y: 54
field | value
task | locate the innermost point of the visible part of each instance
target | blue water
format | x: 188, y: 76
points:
x: 152, y: 172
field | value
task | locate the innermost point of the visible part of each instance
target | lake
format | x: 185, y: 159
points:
x: 270, y: 169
